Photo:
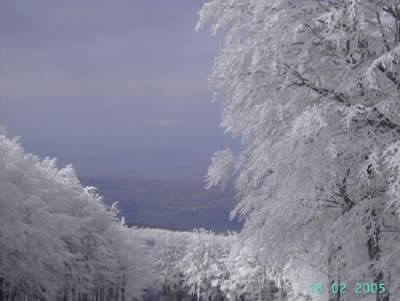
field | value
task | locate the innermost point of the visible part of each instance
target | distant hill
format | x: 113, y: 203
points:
x: 141, y: 226
x: 169, y: 204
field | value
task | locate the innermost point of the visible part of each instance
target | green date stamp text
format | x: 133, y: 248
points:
x: 341, y: 288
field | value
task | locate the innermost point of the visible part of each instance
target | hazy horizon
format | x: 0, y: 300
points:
x: 115, y: 90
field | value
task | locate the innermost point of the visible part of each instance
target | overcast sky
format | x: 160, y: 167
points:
x: 117, y: 88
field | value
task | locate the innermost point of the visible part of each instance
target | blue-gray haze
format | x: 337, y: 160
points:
x: 117, y: 88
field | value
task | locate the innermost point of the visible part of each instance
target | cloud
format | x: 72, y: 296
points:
x: 166, y: 123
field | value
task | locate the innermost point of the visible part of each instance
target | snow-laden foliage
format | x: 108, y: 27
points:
x: 169, y: 249
x: 203, y: 264
x: 220, y: 171
x: 57, y: 238
x: 207, y: 266
x: 312, y: 87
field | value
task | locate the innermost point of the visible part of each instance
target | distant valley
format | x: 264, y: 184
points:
x: 169, y: 204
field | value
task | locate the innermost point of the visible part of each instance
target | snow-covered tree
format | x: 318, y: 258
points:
x: 312, y: 87
x: 248, y: 277
x: 57, y: 238
x: 169, y: 249
x: 203, y: 265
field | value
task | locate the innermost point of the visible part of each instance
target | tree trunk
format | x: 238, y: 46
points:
x: 13, y: 294
x: 1, y: 289
x: 333, y: 273
x: 109, y: 294
x: 374, y: 253
x: 117, y: 291
x: 73, y: 295
x: 6, y: 290
x: 65, y: 294
x: 123, y: 288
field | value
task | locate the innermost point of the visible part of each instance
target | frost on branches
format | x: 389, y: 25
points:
x: 58, y: 241
x: 312, y: 87
x: 221, y: 169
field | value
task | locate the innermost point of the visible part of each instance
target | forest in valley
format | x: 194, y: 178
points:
x: 312, y: 88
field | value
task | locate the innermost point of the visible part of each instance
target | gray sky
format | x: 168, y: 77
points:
x: 117, y: 88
